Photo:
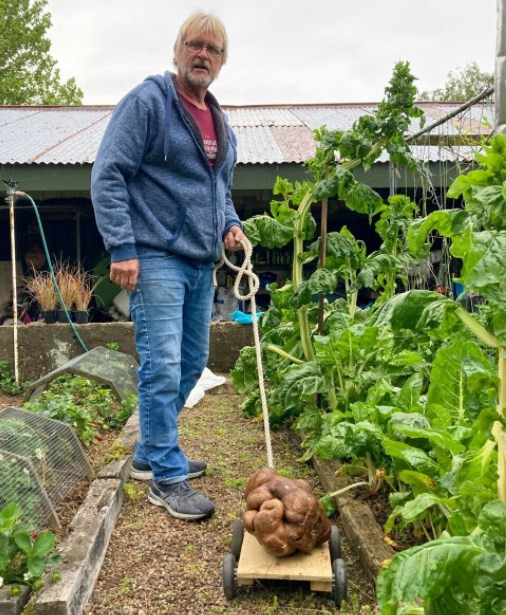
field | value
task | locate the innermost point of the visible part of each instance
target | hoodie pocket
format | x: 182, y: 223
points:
x: 174, y: 236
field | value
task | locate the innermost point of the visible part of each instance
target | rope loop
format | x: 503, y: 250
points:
x: 246, y: 269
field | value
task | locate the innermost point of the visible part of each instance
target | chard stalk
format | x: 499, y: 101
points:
x: 348, y: 488
x: 370, y: 468
x: 498, y: 430
x: 477, y: 328
x: 283, y: 353
x: 332, y: 390
x: 305, y: 332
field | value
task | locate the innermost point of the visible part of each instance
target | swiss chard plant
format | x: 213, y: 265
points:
x: 453, y: 575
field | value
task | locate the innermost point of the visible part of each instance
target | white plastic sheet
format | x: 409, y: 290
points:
x: 207, y: 381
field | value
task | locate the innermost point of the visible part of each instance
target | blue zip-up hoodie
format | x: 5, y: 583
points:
x: 151, y: 183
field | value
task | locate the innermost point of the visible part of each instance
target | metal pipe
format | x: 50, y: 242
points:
x: 472, y: 101
x: 11, y: 201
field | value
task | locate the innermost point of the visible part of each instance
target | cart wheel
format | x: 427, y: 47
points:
x: 237, y: 537
x: 229, y: 576
x: 334, y: 543
x: 339, y: 581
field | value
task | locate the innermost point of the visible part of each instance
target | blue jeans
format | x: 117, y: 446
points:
x: 171, y: 312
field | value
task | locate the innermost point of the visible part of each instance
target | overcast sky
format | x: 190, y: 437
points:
x: 281, y: 51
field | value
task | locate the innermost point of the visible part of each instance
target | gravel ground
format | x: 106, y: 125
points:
x: 158, y: 565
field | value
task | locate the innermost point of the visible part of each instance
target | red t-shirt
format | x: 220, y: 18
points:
x: 204, y: 119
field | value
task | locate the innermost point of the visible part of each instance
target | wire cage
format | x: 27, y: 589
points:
x: 115, y: 369
x: 40, y: 462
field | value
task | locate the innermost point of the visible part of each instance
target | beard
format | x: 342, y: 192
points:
x: 203, y: 81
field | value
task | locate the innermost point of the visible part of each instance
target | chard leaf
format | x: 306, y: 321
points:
x: 267, y: 232
x: 410, y: 392
x: 492, y: 520
x: 413, y: 425
x: 417, y: 507
x: 420, y: 483
x: 245, y: 375
x: 322, y: 281
x: 363, y: 199
x: 428, y: 571
x: 417, y: 310
x: 447, y: 222
x: 343, y: 250
x: 411, y: 455
x: 484, y: 268
x: 462, y: 379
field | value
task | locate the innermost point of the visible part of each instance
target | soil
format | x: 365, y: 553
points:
x: 158, y: 565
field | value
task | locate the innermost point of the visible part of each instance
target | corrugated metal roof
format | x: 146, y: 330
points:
x: 272, y: 134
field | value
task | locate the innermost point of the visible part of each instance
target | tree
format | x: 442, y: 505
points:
x: 29, y: 74
x: 461, y: 85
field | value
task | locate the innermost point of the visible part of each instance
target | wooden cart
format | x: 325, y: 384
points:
x: 247, y: 561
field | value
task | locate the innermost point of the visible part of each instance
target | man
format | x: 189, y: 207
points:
x: 161, y: 189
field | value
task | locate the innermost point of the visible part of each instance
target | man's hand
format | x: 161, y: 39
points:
x: 124, y: 273
x: 233, y: 238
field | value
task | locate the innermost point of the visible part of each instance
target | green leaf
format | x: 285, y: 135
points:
x: 417, y: 310
x: 23, y: 540
x: 410, y: 392
x: 44, y: 542
x: 37, y: 565
x: 419, y: 482
x: 492, y: 520
x: 413, y: 456
x: 484, y: 264
x: 322, y: 281
x: 462, y: 379
x: 9, y: 516
x: 267, y: 232
x: 363, y: 199
x: 447, y: 222
x: 428, y: 571
x: 417, y: 507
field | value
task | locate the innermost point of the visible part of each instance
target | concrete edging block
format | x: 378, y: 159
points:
x: 13, y: 605
x: 83, y: 550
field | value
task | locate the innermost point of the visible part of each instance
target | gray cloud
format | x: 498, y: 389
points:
x: 281, y: 51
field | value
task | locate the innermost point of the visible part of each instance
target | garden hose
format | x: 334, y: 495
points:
x: 254, y: 283
x: 22, y: 195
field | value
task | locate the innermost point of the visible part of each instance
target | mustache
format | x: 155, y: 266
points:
x: 201, y: 64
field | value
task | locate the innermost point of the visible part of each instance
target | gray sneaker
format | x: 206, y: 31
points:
x: 142, y: 471
x: 181, y: 500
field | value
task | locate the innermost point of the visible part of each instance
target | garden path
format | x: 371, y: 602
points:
x: 157, y: 565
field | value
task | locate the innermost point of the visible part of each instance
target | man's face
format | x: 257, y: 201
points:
x: 199, y: 60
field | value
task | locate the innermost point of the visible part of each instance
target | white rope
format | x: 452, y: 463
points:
x: 246, y: 269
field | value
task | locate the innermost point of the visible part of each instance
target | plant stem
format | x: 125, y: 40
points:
x: 477, y: 328
x: 498, y: 430
x: 349, y: 488
x: 283, y: 353
x: 332, y: 390
x: 298, y: 246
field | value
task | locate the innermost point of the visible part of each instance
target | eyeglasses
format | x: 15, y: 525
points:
x: 197, y: 46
